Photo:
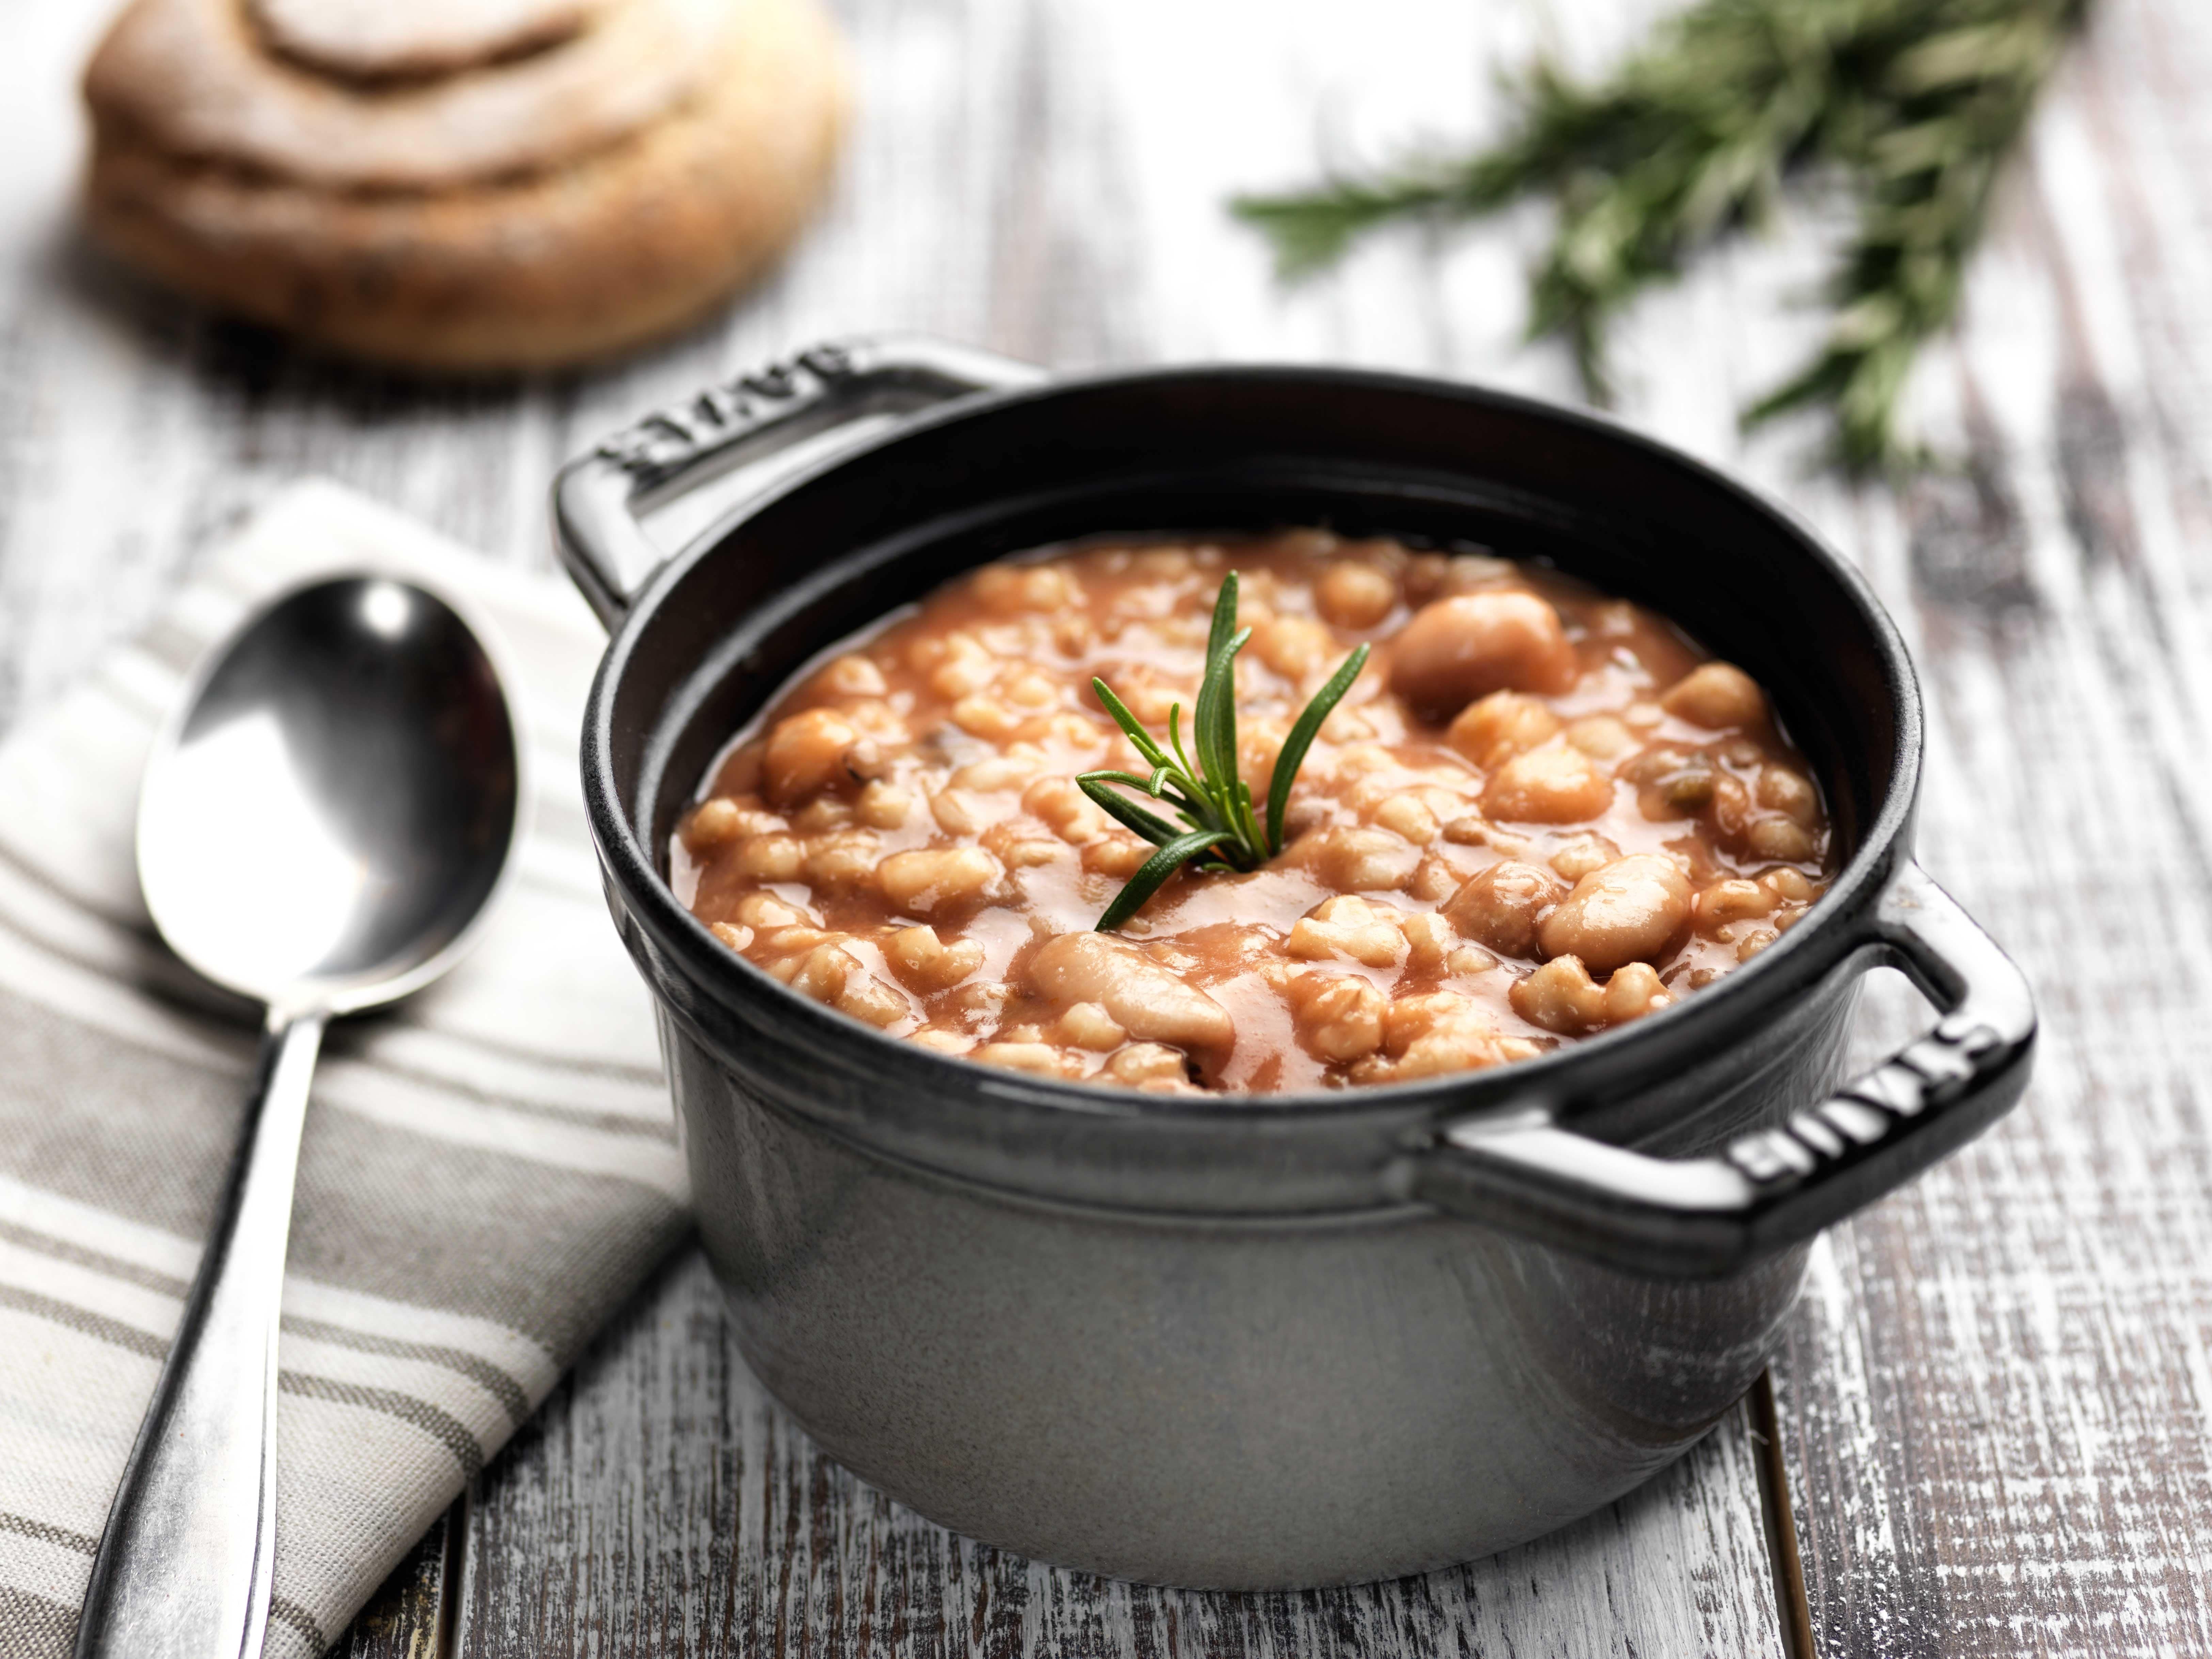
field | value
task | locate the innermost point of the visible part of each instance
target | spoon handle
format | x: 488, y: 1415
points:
x: 184, y: 1565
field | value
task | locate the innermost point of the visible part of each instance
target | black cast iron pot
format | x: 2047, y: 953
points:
x: 1291, y: 1339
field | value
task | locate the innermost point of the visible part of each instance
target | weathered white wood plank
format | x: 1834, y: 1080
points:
x: 1997, y: 1398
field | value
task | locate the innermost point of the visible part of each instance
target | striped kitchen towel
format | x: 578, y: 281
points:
x: 486, y: 1173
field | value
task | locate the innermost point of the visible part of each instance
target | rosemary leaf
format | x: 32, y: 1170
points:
x: 1213, y: 723
x: 1133, y: 728
x: 1292, y: 754
x: 1248, y: 826
x: 1160, y: 786
x: 1175, y: 740
x: 1311, y: 232
x: 1213, y: 720
x: 1118, y: 806
x: 1224, y: 619
x: 1154, y: 871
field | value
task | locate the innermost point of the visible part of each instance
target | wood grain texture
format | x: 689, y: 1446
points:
x: 2000, y: 1389
x: 1996, y: 1401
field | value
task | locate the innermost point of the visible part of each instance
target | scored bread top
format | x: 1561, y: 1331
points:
x: 370, y: 39
x: 309, y: 93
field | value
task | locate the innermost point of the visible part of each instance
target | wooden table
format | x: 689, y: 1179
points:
x: 1995, y: 1401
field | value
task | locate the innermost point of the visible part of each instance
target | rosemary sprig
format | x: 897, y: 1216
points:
x: 1916, y: 102
x: 1212, y: 800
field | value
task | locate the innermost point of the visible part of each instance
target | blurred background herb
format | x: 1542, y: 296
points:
x: 1915, y: 102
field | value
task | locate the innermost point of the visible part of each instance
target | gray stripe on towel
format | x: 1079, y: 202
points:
x: 301, y: 1619
x: 500, y: 1384
x: 114, y: 1266
x: 442, y: 1426
x: 495, y: 1382
x: 33, y: 1627
x: 99, y: 1326
x: 60, y: 1537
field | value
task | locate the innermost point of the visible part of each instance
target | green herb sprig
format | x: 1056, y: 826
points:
x: 1224, y: 830
x: 1915, y: 102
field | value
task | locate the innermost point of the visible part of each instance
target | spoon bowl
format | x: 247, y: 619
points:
x: 333, y: 810
x: 322, y: 828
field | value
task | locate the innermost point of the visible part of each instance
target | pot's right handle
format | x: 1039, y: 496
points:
x: 597, y: 497
x: 1707, y: 1217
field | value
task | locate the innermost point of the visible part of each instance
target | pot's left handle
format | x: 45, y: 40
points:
x: 597, y: 497
x: 1706, y: 1217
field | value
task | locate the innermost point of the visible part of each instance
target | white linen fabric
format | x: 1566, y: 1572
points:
x: 487, y: 1172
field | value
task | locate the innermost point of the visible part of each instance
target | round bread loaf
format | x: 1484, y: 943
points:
x: 462, y: 184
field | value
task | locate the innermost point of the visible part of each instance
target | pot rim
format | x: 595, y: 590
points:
x: 1560, y: 1081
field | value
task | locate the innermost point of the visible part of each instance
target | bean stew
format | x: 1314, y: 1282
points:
x: 1538, y: 813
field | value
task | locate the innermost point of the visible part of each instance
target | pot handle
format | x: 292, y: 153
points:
x: 1704, y: 1217
x: 597, y: 497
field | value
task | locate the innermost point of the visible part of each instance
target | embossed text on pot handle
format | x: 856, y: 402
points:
x: 598, y: 496
x: 1705, y: 1217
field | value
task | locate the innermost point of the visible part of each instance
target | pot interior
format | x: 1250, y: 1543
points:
x: 1221, y: 451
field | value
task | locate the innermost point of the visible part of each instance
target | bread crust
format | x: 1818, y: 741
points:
x: 532, y: 266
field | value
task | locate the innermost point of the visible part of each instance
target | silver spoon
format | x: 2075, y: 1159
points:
x: 320, y: 829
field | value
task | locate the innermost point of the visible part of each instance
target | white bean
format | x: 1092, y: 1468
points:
x: 1457, y: 649
x: 1629, y: 911
x: 1150, y: 1003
